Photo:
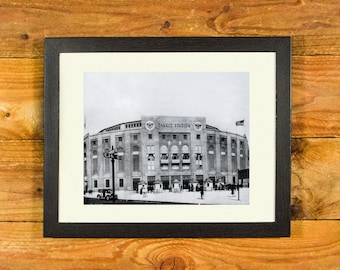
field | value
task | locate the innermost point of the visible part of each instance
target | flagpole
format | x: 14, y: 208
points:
x: 240, y: 123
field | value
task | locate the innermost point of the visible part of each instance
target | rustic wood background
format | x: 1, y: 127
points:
x: 315, y: 28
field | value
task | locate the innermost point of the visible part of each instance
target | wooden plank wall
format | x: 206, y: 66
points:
x: 315, y: 28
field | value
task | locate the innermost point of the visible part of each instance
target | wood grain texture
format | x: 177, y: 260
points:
x: 313, y: 245
x: 315, y: 179
x: 21, y: 98
x: 21, y: 180
x: 315, y: 29
x: 24, y: 24
x: 315, y: 97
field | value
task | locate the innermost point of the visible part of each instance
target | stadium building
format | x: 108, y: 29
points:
x: 166, y: 154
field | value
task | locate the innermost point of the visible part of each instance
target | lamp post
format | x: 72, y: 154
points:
x: 112, y: 155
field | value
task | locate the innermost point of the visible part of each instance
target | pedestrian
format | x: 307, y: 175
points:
x: 202, y: 192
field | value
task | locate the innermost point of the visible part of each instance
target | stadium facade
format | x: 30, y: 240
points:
x: 165, y: 153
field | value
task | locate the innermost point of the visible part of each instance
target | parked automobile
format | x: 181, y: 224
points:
x: 105, y: 194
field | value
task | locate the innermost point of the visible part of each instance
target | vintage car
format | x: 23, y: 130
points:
x: 104, y: 194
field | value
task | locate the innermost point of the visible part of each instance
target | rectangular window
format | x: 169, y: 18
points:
x: 175, y: 166
x: 174, y: 137
x: 150, y: 136
x: 135, y: 163
x: 95, y: 183
x: 211, y: 161
x: 121, y: 164
x: 135, y: 137
x: 106, y: 143
x: 121, y: 182
x: 223, y: 163
x: 164, y: 157
x: 150, y: 149
x: 233, y: 147
x: 85, y: 168
x: 164, y: 167
x: 94, y: 165
x: 151, y: 162
x: 186, y: 180
x: 135, y: 182
x: 198, y: 136
x: 233, y: 163
x: 120, y: 139
x: 163, y: 137
x: 185, y: 137
x: 175, y: 156
x: 107, y: 183
x: 165, y: 182
x: 186, y: 156
x: 186, y: 166
x: 241, y: 149
x: 106, y: 165
x: 198, y: 159
x: 242, y: 163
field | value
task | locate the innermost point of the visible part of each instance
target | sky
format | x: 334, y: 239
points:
x: 113, y: 98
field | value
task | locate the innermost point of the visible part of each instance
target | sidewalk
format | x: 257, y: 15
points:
x: 220, y: 197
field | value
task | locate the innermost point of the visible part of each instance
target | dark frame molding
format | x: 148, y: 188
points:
x: 280, y: 45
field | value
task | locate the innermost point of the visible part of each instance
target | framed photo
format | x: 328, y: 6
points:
x: 167, y: 137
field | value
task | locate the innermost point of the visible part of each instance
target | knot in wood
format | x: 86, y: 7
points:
x: 225, y: 9
x: 173, y: 263
x: 166, y: 25
x: 25, y: 36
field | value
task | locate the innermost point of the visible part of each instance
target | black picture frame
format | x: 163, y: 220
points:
x: 280, y: 227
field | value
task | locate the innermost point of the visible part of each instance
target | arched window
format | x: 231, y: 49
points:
x: 185, y: 153
x: 164, y: 152
x: 185, y: 157
x: 185, y: 149
x: 174, y: 157
x: 164, y: 149
x: 174, y: 152
x: 164, y: 156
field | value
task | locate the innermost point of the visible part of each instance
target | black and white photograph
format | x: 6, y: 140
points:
x: 166, y: 138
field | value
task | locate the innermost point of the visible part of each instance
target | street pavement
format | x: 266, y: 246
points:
x: 218, y: 197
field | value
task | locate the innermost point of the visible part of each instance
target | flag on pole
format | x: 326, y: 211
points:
x: 240, y: 123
